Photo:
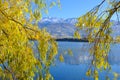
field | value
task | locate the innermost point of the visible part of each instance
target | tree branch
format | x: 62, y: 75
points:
x: 26, y: 28
x: 101, y: 3
x: 117, y: 17
x: 13, y: 76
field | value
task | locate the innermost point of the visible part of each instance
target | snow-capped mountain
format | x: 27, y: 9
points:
x: 51, y: 20
x: 71, y: 20
x: 59, y: 28
x: 58, y: 20
x: 65, y: 28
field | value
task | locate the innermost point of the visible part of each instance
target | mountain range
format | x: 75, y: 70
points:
x: 65, y: 28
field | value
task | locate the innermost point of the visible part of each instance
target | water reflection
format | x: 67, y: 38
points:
x: 81, y: 53
x: 75, y: 66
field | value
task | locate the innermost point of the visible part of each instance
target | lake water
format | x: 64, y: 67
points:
x: 75, y: 66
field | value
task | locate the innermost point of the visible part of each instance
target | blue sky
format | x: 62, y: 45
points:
x: 72, y: 8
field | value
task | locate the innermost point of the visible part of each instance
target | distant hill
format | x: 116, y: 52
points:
x: 64, y: 28
x: 60, y: 28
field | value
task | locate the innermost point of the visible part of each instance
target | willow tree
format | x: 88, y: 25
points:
x: 97, y: 23
x: 18, y: 34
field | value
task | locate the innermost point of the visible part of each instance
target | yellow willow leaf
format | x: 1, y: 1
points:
x: 61, y: 58
x: 77, y: 34
x: 52, y: 4
x: 70, y: 52
x: 115, y: 75
x: 88, y: 73
x: 96, y: 78
x: 16, y: 34
x: 48, y: 76
x: 96, y: 75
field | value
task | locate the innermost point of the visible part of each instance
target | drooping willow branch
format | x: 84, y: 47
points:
x: 25, y: 27
x: 107, y: 20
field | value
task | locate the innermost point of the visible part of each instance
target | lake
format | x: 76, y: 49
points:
x: 75, y: 66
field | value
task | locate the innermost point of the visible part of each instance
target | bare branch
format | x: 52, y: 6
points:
x: 117, y: 17
x: 26, y: 28
x: 5, y: 33
x: 101, y: 3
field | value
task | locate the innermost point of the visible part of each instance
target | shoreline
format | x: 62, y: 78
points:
x: 71, y: 40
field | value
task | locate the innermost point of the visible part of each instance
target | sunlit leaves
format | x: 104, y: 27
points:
x: 17, y: 38
x: 88, y: 73
x: 37, y: 15
x: 88, y: 20
x: 96, y: 76
x: 115, y: 75
x: 117, y: 39
x: 61, y: 58
x: 48, y: 76
x: 98, y: 27
x: 77, y: 34
x: 52, y: 4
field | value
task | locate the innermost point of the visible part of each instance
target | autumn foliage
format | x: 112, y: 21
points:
x: 18, y: 34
